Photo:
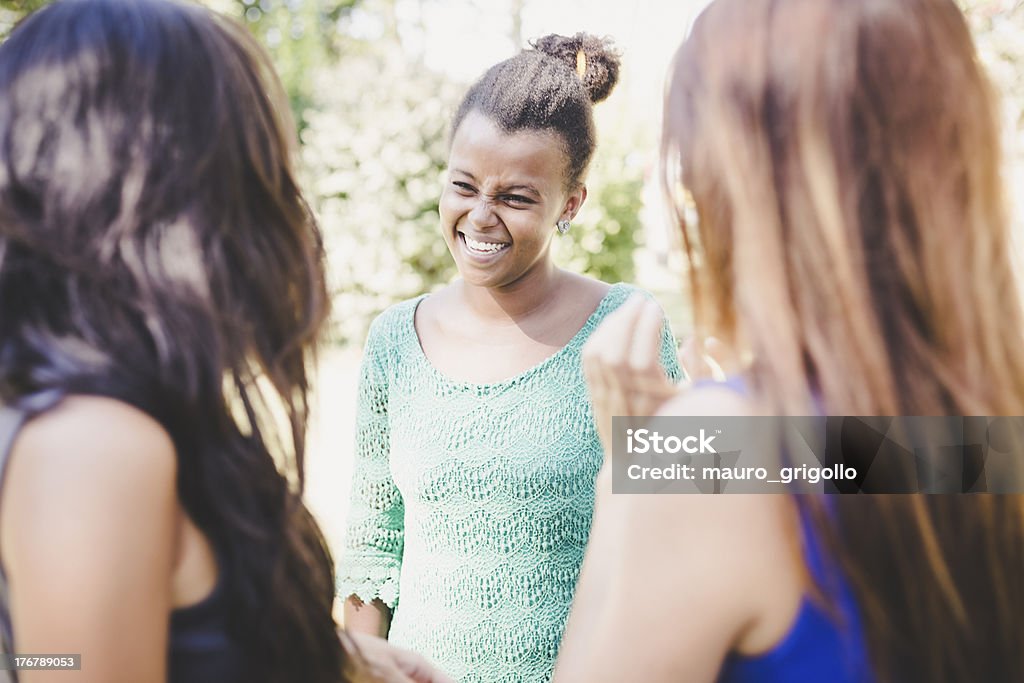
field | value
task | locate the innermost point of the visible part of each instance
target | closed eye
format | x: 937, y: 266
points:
x: 463, y: 188
x: 516, y: 199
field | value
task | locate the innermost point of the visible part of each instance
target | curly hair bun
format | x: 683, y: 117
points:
x: 595, y: 60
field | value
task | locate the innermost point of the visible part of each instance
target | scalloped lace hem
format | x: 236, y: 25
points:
x: 374, y: 583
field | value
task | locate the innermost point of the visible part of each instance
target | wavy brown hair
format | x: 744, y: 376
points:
x: 155, y: 247
x: 844, y: 160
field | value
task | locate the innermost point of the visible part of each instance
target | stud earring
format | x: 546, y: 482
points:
x: 563, y: 227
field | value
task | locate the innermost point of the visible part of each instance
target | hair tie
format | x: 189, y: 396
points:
x: 581, y: 63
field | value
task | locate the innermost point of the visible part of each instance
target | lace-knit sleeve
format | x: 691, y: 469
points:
x: 670, y: 354
x: 372, y: 559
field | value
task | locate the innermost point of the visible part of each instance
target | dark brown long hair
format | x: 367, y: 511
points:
x: 844, y: 160
x: 154, y: 247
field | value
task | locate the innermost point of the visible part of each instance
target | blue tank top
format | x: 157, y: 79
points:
x: 824, y: 645
x: 199, y: 649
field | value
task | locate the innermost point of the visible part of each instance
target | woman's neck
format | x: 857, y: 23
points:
x: 517, y: 301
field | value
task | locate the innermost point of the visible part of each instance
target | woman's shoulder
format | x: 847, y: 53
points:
x: 99, y: 461
x: 397, y: 314
x: 394, y: 324
x: 110, y: 420
x: 88, y: 520
x: 100, y: 432
x: 614, y: 295
x: 732, y: 513
x: 740, y: 549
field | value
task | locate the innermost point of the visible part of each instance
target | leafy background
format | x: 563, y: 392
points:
x: 373, y: 121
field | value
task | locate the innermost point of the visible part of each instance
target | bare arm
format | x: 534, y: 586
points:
x: 87, y: 529
x: 372, y: 618
x: 671, y: 583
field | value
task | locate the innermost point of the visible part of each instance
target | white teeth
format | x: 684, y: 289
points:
x: 487, y: 247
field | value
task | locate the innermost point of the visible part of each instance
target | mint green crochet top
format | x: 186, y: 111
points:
x: 471, y: 503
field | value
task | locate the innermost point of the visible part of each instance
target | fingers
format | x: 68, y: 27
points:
x: 723, y: 360
x: 603, y: 355
x: 385, y: 663
x: 628, y: 338
x: 627, y: 346
x: 645, y: 350
x: 622, y: 366
x: 609, y: 343
x: 710, y: 360
x: 418, y: 669
x: 690, y: 359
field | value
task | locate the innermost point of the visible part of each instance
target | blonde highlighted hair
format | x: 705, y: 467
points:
x: 844, y: 159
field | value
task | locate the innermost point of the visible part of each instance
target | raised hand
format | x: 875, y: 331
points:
x: 378, y: 661
x: 621, y: 364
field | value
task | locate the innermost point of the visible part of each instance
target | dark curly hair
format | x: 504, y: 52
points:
x: 552, y: 86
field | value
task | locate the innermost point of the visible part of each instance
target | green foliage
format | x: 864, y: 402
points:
x: 11, y: 12
x: 374, y: 153
x: 301, y: 36
x: 608, y: 228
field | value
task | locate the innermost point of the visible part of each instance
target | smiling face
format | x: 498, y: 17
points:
x: 503, y: 196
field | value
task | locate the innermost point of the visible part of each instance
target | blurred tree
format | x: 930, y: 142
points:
x: 11, y: 11
x: 608, y: 228
x: 374, y: 152
x: 301, y: 35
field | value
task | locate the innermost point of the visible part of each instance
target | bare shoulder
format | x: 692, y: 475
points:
x: 684, y: 579
x: 720, y: 542
x: 433, y: 309
x: 719, y: 400
x: 88, y: 521
x: 585, y: 290
x: 89, y: 451
x: 728, y: 561
x: 90, y: 473
x: 96, y: 428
